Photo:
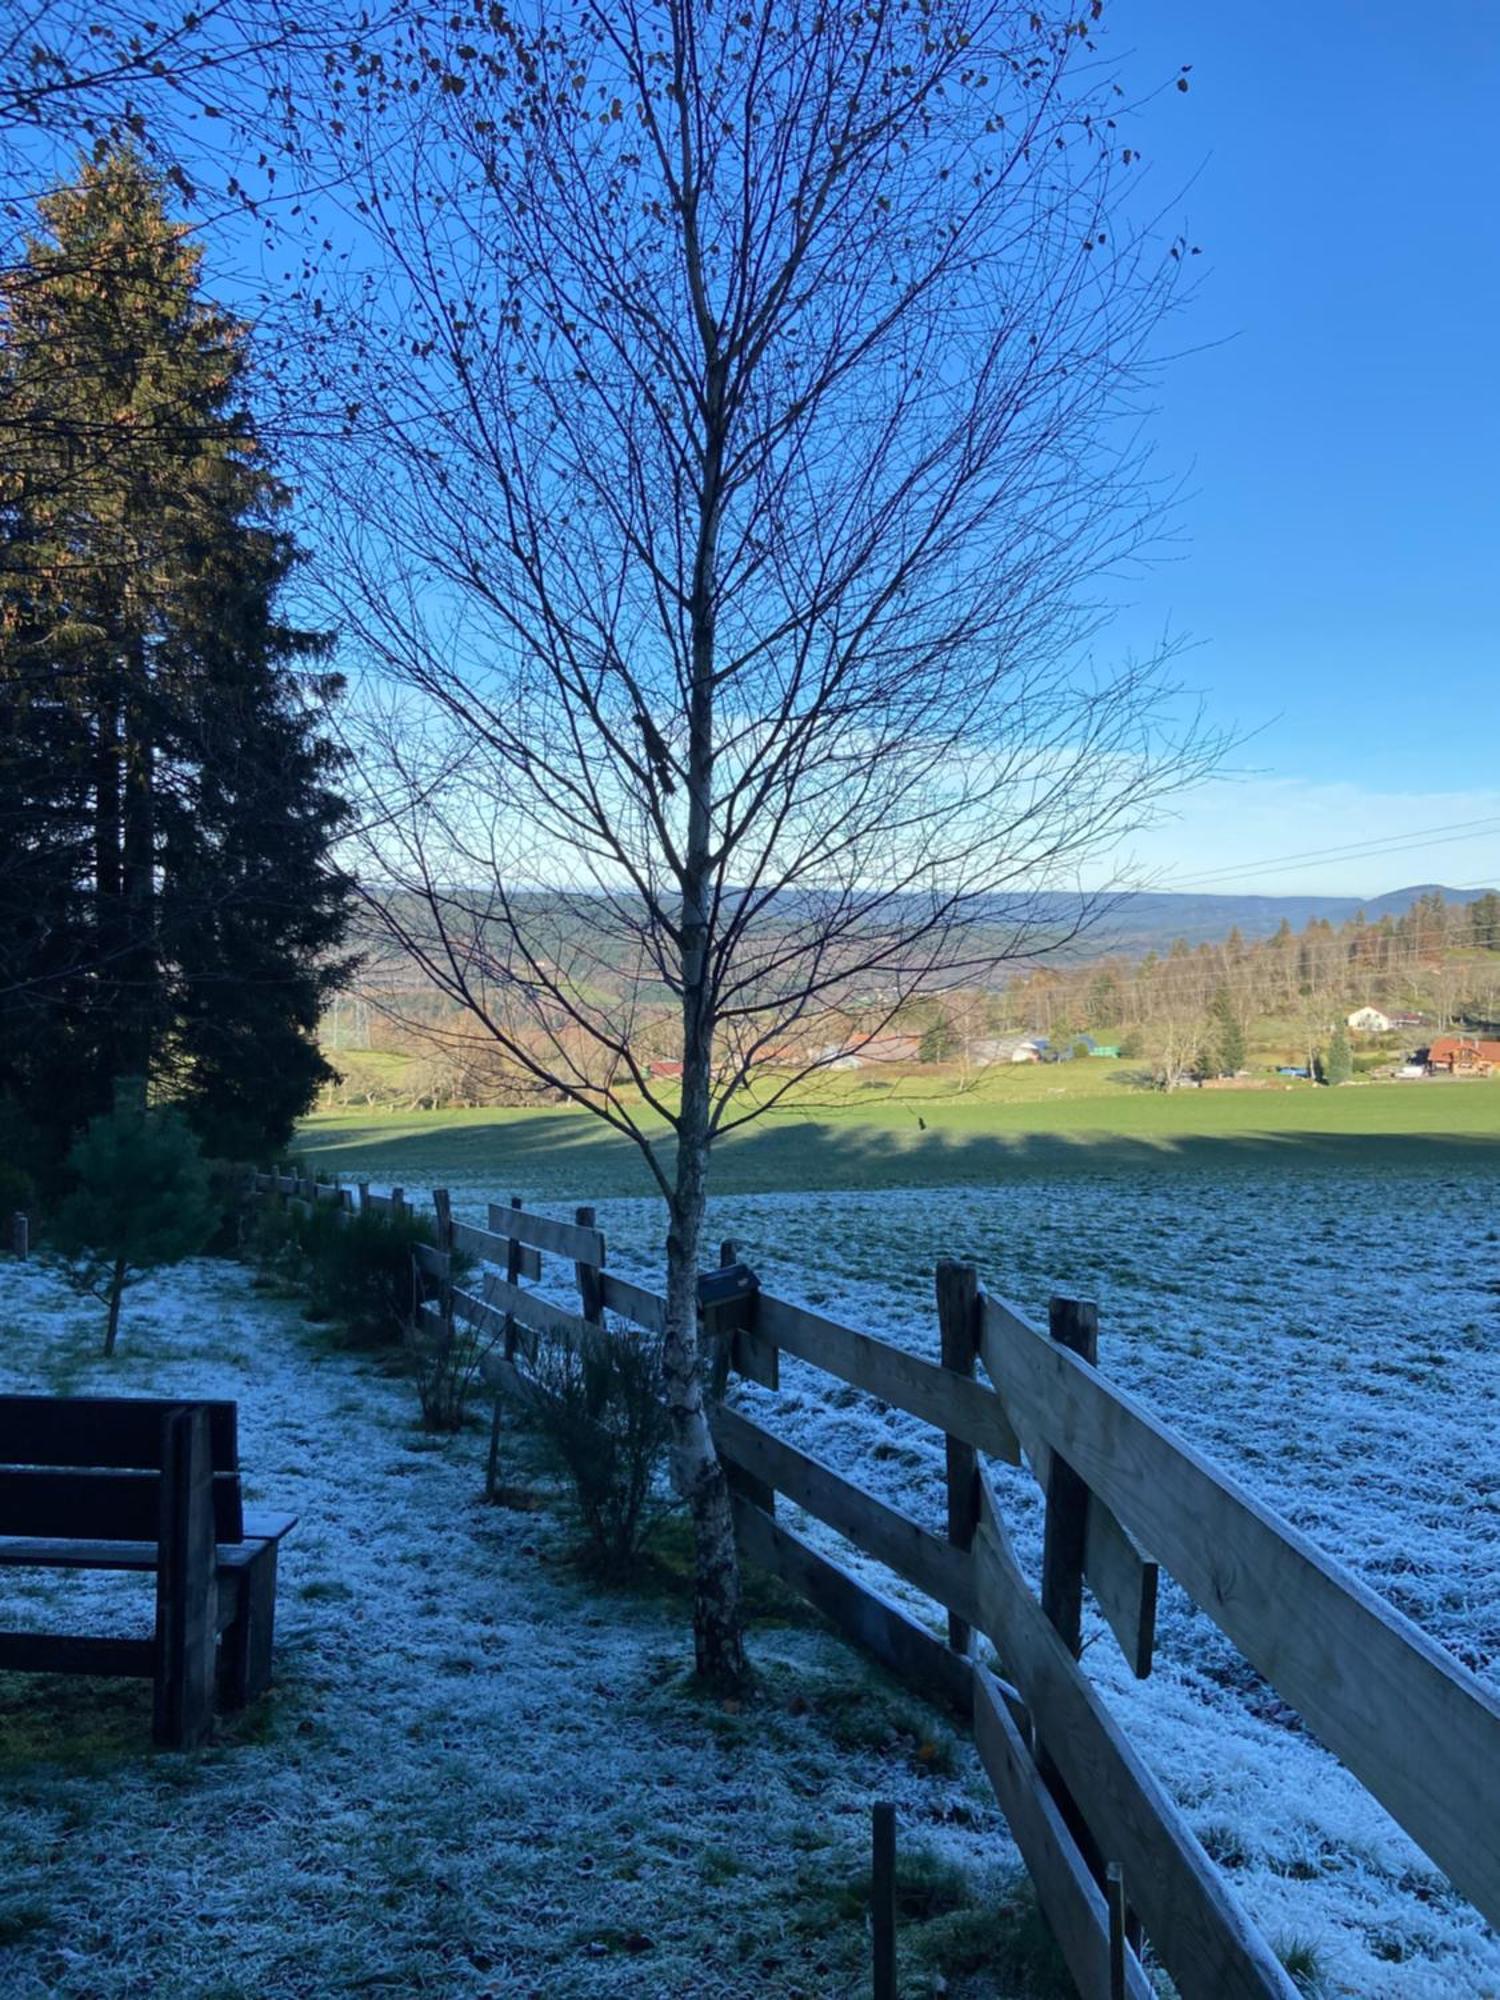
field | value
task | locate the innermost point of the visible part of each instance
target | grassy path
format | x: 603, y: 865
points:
x: 475, y: 1776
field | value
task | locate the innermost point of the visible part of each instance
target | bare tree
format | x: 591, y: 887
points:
x: 749, y: 403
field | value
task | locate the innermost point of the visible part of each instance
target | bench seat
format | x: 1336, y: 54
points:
x: 149, y: 1486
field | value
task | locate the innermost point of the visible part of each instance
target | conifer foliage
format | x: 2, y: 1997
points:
x: 167, y: 794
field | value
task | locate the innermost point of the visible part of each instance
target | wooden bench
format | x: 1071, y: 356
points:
x: 131, y: 1483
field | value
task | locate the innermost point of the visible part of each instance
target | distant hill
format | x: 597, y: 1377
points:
x: 1144, y: 920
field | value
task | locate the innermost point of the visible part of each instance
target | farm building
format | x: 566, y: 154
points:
x: 1005, y: 1049
x: 1370, y: 1021
x: 1462, y: 1055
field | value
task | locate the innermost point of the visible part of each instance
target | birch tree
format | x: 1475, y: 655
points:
x: 740, y: 416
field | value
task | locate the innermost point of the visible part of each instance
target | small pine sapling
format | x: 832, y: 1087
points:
x: 140, y: 1199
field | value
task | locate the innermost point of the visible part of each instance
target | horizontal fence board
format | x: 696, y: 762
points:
x: 897, y: 1641
x: 1123, y: 1580
x: 633, y: 1302
x: 884, y: 1532
x: 1195, y: 1923
x: 536, y: 1315
x: 567, y: 1239
x: 954, y: 1403
x: 491, y: 1248
x: 63, y: 1653
x: 1419, y: 1732
x: 1070, y: 1898
x: 432, y: 1263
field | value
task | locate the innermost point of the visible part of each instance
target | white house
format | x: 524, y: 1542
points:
x: 1370, y: 1021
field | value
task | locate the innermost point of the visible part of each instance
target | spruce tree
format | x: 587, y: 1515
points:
x: 1228, y: 1034
x: 167, y: 787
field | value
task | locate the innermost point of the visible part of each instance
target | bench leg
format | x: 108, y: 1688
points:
x: 186, y: 1599
x: 245, y: 1650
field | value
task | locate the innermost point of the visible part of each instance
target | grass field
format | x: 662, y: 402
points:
x: 853, y: 1132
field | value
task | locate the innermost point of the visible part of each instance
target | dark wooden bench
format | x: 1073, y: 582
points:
x: 131, y: 1483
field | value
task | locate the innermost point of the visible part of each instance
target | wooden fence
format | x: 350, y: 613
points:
x: 1420, y: 1732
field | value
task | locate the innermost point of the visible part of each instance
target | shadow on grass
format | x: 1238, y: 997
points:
x: 551, y: 1154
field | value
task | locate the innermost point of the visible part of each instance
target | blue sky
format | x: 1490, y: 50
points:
x: 1337, y: 429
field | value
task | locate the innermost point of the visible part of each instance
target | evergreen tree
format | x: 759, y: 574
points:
x: 1340, y: 1064
x: 167, y: 908
x: 140, y: 1199
x: 1227, y: 1034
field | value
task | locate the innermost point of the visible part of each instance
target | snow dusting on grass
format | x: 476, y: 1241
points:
x: 477, y: 1773
x: 1333, y: 1340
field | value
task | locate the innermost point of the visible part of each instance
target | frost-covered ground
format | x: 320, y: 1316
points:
x: 1335, y: 1340
x: 475, y: 1774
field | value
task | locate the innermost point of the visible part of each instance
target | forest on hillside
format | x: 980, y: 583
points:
x: 1206, y: 1009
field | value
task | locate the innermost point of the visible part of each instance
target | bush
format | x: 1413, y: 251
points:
x: 602, y: 1418
x: 357, y: 1269
x: 140, y: 1199
x: 446, y: 1360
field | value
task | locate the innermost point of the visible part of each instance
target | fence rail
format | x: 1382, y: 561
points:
x: 1418, y: 1730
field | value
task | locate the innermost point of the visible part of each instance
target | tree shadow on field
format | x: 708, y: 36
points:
x: 564, y: 1156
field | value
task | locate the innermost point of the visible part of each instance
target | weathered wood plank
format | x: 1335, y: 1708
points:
x: 486, y: 1247
x: 882, y: 1531
x: 567, y: 1239
x: 432, y: 1262
x: 535, y: 1315
x: 101, y: 1506
x: 1123, y: 1580
x: 586, y: 1276
x: 121, y: 1431
x: 967, y: 1409
x: 1070, y: 1898
x: 867, y: 1618
x: 64, y: 1653
x: 633, y: 1302
x: 1201, y: 1934
x: 186, y: 1587
x: 1419, y: 1731
x: 958, y: 1324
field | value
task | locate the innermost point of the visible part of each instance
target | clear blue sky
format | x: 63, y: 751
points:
x: 1339, y: 427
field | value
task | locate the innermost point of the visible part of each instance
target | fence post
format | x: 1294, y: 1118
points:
x: 958, y: 1332
x: 512, y: 1271
x: 364, y: 1196
x: 1114, y: 1892
x: 398, y: 1199
x: 1074, y: 1324
x: 20, y: 1234
x: 590, y: 1289
x: 883, y: 1901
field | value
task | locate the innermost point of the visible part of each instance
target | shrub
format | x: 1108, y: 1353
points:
x: 357, y: 1269
x: 446, y: 1360
x: 140, y: 1199
x: 602, y: 1417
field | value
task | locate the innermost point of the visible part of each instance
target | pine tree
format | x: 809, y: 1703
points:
x: 1227, y: 1034
x: 167, y: 789
x: 140, y: 1200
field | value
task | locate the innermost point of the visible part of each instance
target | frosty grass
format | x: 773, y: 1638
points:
x: 476, y: 1776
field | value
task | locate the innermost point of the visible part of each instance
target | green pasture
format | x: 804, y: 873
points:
x: 853, y: 1131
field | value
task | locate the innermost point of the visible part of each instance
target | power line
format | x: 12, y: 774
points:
x: 1419, y: 838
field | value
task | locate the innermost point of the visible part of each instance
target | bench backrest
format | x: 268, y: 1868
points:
x: 88, y: 1468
